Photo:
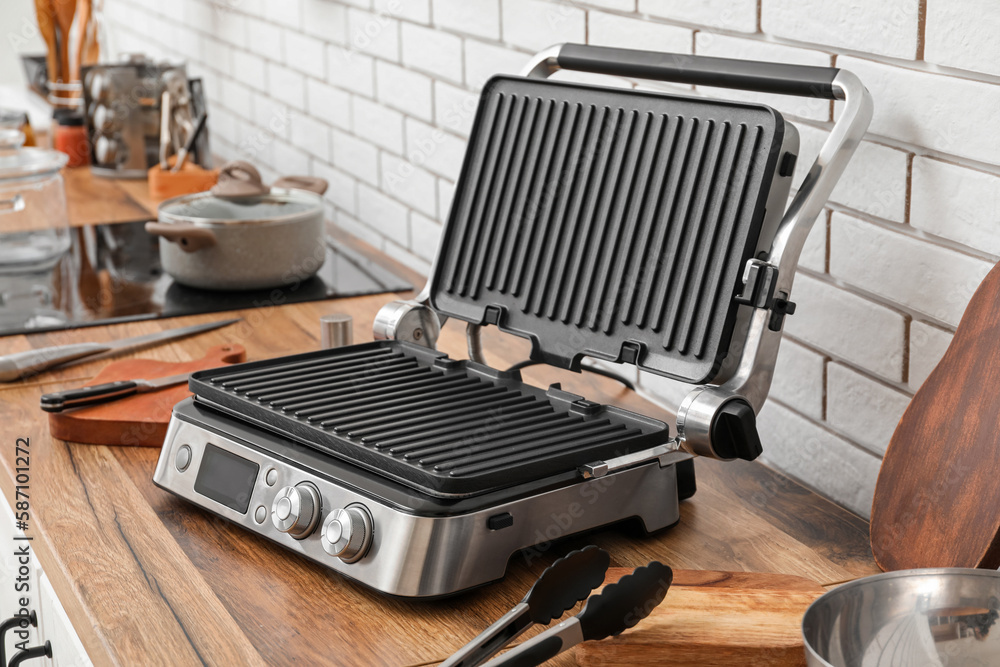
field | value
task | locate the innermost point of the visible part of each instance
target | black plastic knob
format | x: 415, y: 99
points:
x: 734, y: 432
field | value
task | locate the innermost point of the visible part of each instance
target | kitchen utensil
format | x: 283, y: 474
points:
x: 569, y: 195
x: 937, y: 500
x: 189, y: 146
x: 46, y: 15
x: 723, y: 619
x: 20, y: 364
x: 141, y: 419
x: 618, y: 607
x: 64, y: 10
x: 566, y: 582
x: 179, y: 111
x: 910, y: 618
x: 335, y: 331
x: 86, y: 37
x: 247, y: 240
x: 165, y: 130
x: 106, y: 392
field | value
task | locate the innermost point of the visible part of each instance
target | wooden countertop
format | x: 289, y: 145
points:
x: 148, y: 578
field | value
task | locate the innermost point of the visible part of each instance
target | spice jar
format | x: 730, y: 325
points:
x: 70, y: 137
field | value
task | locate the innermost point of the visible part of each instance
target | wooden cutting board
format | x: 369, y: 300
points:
x: 714, y: 618
x: 937, y: 500
x: 140, y: 419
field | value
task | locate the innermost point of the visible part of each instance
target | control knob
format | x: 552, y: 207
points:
x: 347, y: 533
x: 296, y: 510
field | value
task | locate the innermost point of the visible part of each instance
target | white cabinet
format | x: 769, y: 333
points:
x: 53, y: 623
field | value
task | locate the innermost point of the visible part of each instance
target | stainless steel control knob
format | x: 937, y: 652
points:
x: 296, y: 510
x: 347, y: 533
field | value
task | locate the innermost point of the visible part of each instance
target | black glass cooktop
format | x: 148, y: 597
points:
x: 112, y: 273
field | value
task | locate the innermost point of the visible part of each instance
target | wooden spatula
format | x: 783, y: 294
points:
x: 937, y: 500
x: 85, y: 47
x: 64, y: 12
x: 46, y: 14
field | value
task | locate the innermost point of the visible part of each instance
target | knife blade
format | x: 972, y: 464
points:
x: 108, y: 391
x: 18, y: 365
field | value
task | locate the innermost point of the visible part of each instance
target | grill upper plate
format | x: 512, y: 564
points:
x: 606, y: 222
x: 445, y: 427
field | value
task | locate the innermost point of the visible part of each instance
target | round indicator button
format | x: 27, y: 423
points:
x: 271, y: 477
x: 260, y: 516
x: 183, y: 458
x: 283, y: 508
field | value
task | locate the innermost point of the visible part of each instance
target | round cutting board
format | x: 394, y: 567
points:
x: 937, y: 500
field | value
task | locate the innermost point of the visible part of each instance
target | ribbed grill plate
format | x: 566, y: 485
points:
x: 443, y: 426
x: 593, y: 218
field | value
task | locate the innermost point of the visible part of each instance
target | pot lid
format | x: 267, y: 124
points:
x: 275, y: 206
x: 17, y: 161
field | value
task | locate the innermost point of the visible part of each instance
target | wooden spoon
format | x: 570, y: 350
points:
x: 45, y: 13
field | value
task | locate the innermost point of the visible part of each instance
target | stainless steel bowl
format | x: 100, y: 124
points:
x: 913, y: 618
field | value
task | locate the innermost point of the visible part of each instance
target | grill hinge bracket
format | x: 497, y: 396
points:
x: 759, y: 281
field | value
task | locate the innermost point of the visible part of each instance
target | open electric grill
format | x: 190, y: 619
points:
x: 628, y: 226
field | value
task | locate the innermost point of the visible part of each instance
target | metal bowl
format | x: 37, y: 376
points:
x: 913, y: 618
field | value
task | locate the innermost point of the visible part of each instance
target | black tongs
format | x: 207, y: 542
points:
x: 619, y: 606
x: 566, y: 582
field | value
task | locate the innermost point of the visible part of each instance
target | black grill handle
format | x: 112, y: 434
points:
x: 763, y: 77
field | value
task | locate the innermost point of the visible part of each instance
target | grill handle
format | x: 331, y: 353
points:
x: 763, y: 77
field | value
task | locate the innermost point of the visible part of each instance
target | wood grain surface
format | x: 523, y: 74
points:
x: 937, y: 499
x: 141, y: 419
x: 95, y: 200
x: 714, y: 618
x: 149, y: 579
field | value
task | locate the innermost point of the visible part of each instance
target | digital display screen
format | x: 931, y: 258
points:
x: 226, y: 478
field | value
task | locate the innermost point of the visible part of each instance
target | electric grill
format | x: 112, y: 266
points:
x: 629, y: 226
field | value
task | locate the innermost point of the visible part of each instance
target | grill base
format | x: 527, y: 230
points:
x: 445, y: 427
x: 422, y: 547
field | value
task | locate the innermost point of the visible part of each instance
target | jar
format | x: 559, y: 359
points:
x: 70, y: 137
x: 34, y: 229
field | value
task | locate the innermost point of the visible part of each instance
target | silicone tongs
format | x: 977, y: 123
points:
x: 566, y: 582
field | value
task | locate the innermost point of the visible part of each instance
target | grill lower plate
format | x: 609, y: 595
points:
x: 443, y: 426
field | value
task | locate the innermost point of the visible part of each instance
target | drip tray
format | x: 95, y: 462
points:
x: 443, y: 426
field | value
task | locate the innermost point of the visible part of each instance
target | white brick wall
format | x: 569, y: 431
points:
x: 886, y: 27
x: 378, y: 97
